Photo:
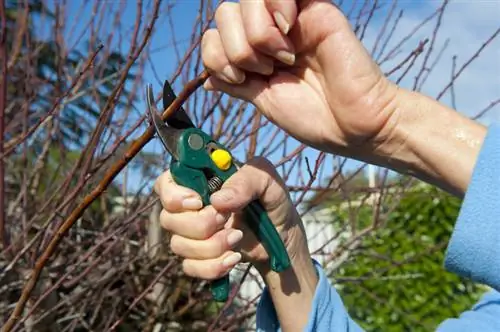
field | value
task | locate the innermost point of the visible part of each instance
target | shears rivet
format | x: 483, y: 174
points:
x: 195, y: 141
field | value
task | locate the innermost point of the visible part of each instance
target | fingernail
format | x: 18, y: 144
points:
x: 234, y: 237
x: 281, y: 22
x: 286, y: 57
x: 234, y: 75
x: 192, y: 204
x: 267, y: 70
x: 231, y: 260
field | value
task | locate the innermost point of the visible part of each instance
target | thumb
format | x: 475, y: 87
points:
x: 284, y: 13
x: 255, y: 180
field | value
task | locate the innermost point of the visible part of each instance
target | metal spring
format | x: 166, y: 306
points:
x: 214, y: 184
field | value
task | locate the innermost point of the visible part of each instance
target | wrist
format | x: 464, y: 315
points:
x: 292, y: 291
x: 430, y: 141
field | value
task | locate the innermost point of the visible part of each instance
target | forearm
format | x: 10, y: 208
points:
x: 292, y: 291
x: 431, y: 142
x: 302, y: 299
x: 425, y: 139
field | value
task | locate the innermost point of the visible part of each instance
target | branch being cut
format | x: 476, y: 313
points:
x: 114, y: 170
x: 3, y: 103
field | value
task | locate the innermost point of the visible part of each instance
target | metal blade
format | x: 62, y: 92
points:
x: 179, y: 119
x: 168, y: 136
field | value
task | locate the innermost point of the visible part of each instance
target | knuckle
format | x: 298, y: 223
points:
x: 258, y: 36
x: 241, y: 57
x: 262, y: 162
x: 240, y: 184
x: 260, y: 174
x: 212, y: 248
x: 158, y: 184
x: 206, y: 226
x: 165, y: 220
x: 258, y: 169
x: 223, y: 9
x: 209, y: 50
x: 208, y: 37
x: 265, y: 168
x: 241, y: 181
x: 168, y: 201
x: 176, y: 245
x: 206, y: 229
x: 165, y: 191
x: 188, y: 269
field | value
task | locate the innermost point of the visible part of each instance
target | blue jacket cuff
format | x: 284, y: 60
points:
x: 327, y: 310
x: 474, y: 248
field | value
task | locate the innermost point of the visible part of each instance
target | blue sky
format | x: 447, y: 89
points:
x: 467, y: 24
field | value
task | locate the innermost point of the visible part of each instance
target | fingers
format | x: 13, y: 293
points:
x: 197, y: 225
x: 284, y: 13
x: 204, y: 236
x: 248, y: 38
x: 253, y: 89
x: 213, y: 247
x: 235, y: 43
x: 264, y: 34
x: 198, y: 234
x: 255, y: 180
x: 216, y: 61
x: 211, y: 269
x: 175, y: 198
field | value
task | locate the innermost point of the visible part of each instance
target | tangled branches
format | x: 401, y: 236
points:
x: 81, y: 244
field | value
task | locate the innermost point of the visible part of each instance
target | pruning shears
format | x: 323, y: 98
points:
x: 201, y: 163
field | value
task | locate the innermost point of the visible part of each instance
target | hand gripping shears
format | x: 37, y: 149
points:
x: 203, y: 164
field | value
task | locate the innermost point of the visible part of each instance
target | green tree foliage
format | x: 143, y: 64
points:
x: 395, y: 279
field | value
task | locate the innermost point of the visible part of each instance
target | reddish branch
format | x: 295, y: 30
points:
x: 11, y: 145
x: 107, y: 111
x: 486, y: 109
x: 143, y: 294
x: 99, y: 267
x: 3, y: 105
x: 114, y: 170
x: 413, y: 55
x: 431, y: 46
x: 468, y: 62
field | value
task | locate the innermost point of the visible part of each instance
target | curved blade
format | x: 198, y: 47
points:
x: 179, y: 119
x: 168, y: 136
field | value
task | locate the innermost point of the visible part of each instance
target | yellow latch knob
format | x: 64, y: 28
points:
x: 222, y: 159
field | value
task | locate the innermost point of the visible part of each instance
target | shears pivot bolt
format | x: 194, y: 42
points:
x: 195, y: 141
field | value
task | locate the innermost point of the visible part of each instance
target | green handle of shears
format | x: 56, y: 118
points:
x: 189, y: 173
x: 258, y: 220
x: 255, y: 216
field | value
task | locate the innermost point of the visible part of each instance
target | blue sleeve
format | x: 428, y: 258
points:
x: 483, y: 317
x: 474, y: 248
x: 473, y: 252
x: 327, y: 314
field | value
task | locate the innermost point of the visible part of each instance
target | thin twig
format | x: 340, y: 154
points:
x: 11, y: 145
x: 3, y: 104
x: 467, y: 63
x: 114, y: 170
